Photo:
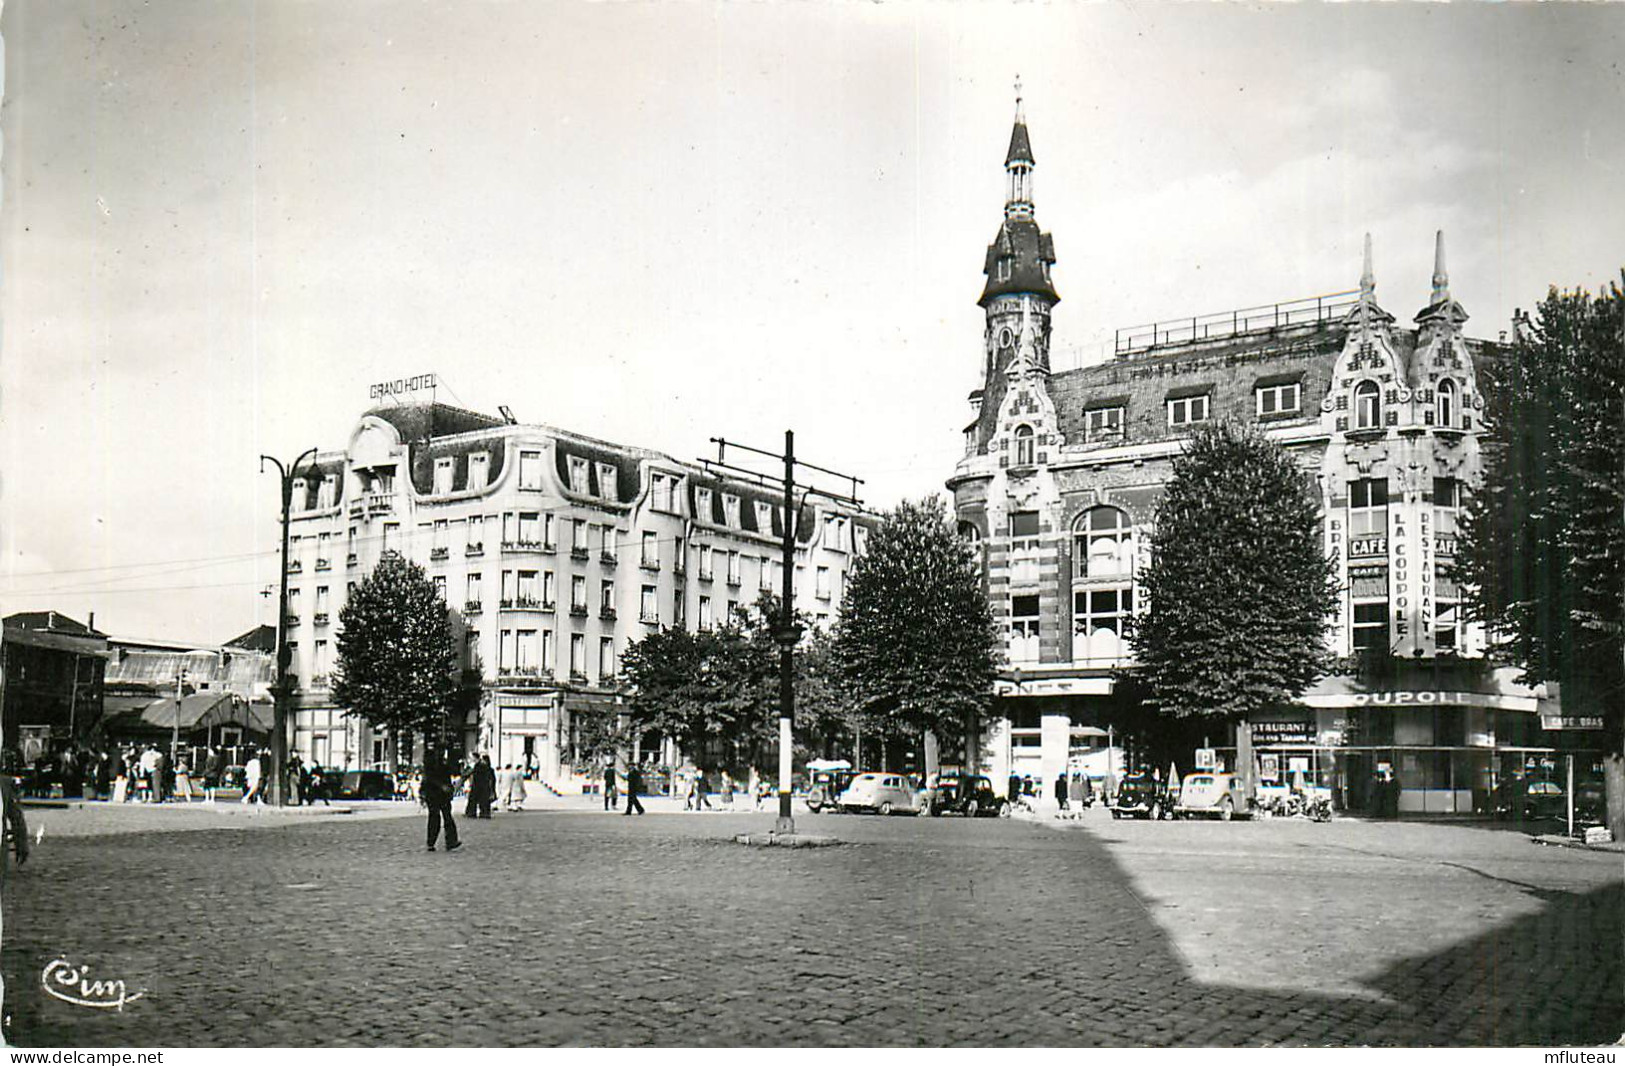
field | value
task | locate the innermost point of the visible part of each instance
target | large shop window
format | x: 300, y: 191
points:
x: 1024, y: 629
x: 1103, y: 543
x: 1097, y: 619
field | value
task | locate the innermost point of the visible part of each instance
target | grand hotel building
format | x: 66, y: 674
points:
x: 554, y: 552
x: 1062, y: 472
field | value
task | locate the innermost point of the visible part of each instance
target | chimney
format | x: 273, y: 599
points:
x: 92, y: 622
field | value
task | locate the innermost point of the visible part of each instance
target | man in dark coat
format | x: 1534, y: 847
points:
x: 15, y: 824
x: 436, y: 792
x: 483, y: 787
x: 609, y: 787
x: 1060, y: 791
x: 634, y: 785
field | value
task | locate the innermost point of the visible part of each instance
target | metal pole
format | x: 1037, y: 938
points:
x: 1571, y: 795
x: 279, y: 717
x: 175, y: 727
x: 787, y: 640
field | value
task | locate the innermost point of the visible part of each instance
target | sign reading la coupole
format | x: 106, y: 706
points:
x: 401, y: 386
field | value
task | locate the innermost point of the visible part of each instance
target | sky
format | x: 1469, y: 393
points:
x: 221, y: 221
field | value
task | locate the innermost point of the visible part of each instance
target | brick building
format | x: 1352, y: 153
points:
x: 1062, y: 473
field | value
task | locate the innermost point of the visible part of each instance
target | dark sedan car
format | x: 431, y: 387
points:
x: 1529, y: 798
x: 366, y: 785
x: 1141, y: 796
x: 967, y: 794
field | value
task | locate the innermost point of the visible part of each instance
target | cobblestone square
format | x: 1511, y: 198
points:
x: 572, y: 927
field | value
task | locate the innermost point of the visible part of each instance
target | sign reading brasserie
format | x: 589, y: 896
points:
x: 415, y: 383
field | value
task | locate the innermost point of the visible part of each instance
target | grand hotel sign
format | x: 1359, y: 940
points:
x: 402, y: 387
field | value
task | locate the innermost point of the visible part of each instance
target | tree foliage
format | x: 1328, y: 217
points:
x: 1239, y: 588
x: 396, y: 656
x: 1543, y: 555
x: 916, y: 648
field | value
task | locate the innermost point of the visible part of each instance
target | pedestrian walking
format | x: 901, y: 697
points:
x: 482, y: 787
x: 16, y: 824
x: 162, y: 782
x: 727, y: 789
x: 634, y: 785
x: 1060, y: 792
x: 436, y: 791
x: 317, y: 787
x: 610, y: 799
x: 515, y: 797
x: 701, y: 786
x: 255, y: 776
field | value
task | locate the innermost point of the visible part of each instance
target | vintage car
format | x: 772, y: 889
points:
x: 1141, y: 796
x: 1211, y: 793
x: 366, y: 785
x: 882, y: 794
x: 826, y: 788
x: 1529, y: 799
x: 952, y: 792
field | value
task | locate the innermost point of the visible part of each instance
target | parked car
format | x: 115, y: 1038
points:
x: 967, y: 794
x: 1208, y: 793
x: 1527, y: 798
x: 882, y: 794
x: 366, y: 785
x: 1141, y: 796
x: 1590, y: 803
x: 827, y: 787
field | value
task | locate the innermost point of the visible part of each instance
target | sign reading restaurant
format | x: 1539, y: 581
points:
x: 401, y: 386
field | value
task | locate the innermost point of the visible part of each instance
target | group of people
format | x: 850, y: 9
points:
x: 1067, y: 789
x: 488, y: 787
x: 634, y: 789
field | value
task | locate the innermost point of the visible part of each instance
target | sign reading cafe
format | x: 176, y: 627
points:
x: 401, y: 386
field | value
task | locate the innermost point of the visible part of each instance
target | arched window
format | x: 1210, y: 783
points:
x: 969, y: 533
x: 1024, y: 445
x: 1445, y: 404
x: 1103, y: 541
x: 1367, y: 406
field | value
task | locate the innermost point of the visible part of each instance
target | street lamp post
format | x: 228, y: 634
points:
x: 279, y: 717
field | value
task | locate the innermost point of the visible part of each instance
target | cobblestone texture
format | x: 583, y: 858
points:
x: 575, y: 928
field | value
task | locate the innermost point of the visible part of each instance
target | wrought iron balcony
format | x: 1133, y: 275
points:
x: 321, y: 618
x: 578, y: 610
x: 606, y: 612
x: 607, y: 558
x: 352, y: 559
x: 324, y: 564
x: 292, y: 620
x: 471, y: 607
x: 578, y: 553
x: 294, y: 566
x: 436, y: 554
x: 472, y: 550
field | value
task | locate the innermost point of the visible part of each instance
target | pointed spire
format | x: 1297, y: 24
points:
x: 1368, y: 278
x: 1021, y: 149
x: 1020, y: 117
x: 1441, y: 277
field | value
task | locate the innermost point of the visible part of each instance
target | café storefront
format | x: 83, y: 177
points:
x: 1446, y: 739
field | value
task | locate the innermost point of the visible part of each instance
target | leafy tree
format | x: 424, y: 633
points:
x: 1239, y: 588
x: 1543, y: 553
x: 396, y: 656
x: 915, y: 648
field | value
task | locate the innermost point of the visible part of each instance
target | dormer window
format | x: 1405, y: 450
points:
x: 1188, y: 410
x: 702, y: 505
x: 1444, y: 403
x: 578, y: 475
x: 444, y: 466
x: 324, y: 492
x: 1278, y: 399
x: 606, y: 481
x: 730, y: 511
x: 1024, y: 446
x: 1103, y: 423
x: 479, y: 469
x: 1004, y: 269
x: 661, y: 490
x: 1367, y: 406
x: 764, y: 518
x: 530, y: 470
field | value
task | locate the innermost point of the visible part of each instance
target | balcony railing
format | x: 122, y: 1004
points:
x: 472, y: 607
x: 294, y: 566
x: 321, y: 618
x: 706, y: 575
x: 578, y: 675
x: 324, y: 564
x: 649, y: 564
x: 733, y: 581
x: 437, y: 554
x: 578, y: 610
x: 530, y: 603
x: 352, y: 559
x: 373, y: 503
x: 505, y: 603
x: 578, y: 553
x: 607, y: 558
x: 292, y: 620
x: 319, y: 680
x: 1367, y: 547
x: 472, y: 550
x: 1264, y: 318
x: 649, y: 619
x: 527, y: 545
x: 606, y: 612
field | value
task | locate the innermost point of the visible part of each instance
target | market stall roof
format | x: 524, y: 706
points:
x: 204, y: 709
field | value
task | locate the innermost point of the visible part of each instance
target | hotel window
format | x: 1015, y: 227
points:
x: 299, y: 495
x: 606, y: 481
x: 730, y: 511
x: 837, y: 533
x: 661, y: 488
x: 392, y: 537
x: 1371, y: 626
x: 321, y: 665
x: 578, y: 593
x: 527, y: 589
x: 471, y: 650
x: 1023, y: 530
x: 1278, y: 399
x: 679, y: 555
x: 650, y: 553
x: 444, y: 467
x: 1024, y: 629
x: 1004, y: 269
x: 505, y: 652
x: 547, y: 532
x: 324, y: 549
x: 321, y: 599
x: 1368, y: 507
x: 1447, y: 501
x: 606, y: 658
x: 1024, y: 446
x: 530, y: 529
x: 578, y: 534
x: 733, y: 568
x: 524, y: 659
x: 479, y: 470
x: 475, y: 541
x: 822, y: 587
x: 507, y: 588
x: 705, y: 562
x: 649, y: 604
x: 764, y: 575
x: 439, y: 587
x: 547, y: 651
x: 679, y: 608
x: 1098, y: 615
x: 702, y: 505
x: 1446, y: 613
x: 1103, y: 423
x: 1103, y: 543
x: 578, y: 475
x: 705, y: 612
x: 764, y: 518
x: 530, y: 470
x: 1187, y: 410
x: 473, y: 596
x: 606, y: 598
x: 607, y: 543
x: 1444, y: 403
x: 1367, y: 406
x: 549, y: 592
x: 578, y: 655
x: 510, y: 529
x: 349, y: 542
x: 440, y: 537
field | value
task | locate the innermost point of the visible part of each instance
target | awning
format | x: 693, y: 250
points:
x: 1423, y: 685
x: 204, y: 710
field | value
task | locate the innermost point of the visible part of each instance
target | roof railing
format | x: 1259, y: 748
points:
x: 1264, y: 318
